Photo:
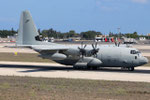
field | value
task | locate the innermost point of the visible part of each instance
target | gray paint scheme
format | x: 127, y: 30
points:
x: 25, y: 29
x: 107, y: 56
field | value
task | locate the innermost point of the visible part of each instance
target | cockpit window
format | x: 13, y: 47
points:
x: 134, y: 52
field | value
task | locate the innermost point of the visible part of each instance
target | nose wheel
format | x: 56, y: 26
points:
x: 131, y: 68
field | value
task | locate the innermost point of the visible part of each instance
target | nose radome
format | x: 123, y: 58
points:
x: 146, y: 60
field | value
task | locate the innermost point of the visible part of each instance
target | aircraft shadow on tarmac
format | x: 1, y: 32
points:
x: 32, y: 68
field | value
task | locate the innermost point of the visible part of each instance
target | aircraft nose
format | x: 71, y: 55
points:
x: 145, y: 60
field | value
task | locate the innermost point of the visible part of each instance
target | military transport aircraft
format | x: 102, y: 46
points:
x: 82, y: 56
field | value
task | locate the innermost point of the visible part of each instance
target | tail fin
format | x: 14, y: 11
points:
x: 27, y: 30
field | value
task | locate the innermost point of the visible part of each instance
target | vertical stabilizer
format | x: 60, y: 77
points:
x: 27, y: 30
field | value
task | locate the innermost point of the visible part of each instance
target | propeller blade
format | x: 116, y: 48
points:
x: 81, y: 44
x: 118, y: 44
x: 96, y: 45
x: 82, y: 50
x: 85, y: 46
x: 115, y: 43
x: 93, y: 46
x: 95, y: 50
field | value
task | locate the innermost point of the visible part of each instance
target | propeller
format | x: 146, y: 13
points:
x: 117, y: 44
x: 95, y: 50
x: 82, y: 50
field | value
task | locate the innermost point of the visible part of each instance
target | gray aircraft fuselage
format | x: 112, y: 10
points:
x: 109, y: 56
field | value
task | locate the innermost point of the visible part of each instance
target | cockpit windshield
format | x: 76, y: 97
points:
x: 134, y: 52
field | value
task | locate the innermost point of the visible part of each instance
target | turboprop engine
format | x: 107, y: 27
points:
x: 88, y: 62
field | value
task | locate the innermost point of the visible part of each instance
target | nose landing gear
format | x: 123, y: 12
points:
x: 131, y: 68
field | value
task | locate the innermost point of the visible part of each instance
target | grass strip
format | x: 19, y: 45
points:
x: 23, y: 57
x: 27, y: 88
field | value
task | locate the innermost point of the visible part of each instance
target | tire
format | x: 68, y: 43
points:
x: 75, y: 68
x: 94, y: 68
x: 123, y: 68
x: 88, y: 68
x: 131, y: 68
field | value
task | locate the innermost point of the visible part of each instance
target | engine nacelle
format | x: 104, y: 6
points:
x: 88, y: 62
x: 55, y: 56
x: 58, y: 56
x: 80, y: 65
x: 94, y: 63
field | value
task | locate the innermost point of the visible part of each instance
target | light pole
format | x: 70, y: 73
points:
x: 119, y: 35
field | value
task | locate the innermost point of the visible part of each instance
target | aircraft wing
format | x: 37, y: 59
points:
x: 49, y: 48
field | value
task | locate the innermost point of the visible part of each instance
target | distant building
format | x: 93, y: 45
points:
x: 148, y: 34
x: 103, y: 38
x: 142, y: 38
x: 129, y: 40
x: 70, y: 39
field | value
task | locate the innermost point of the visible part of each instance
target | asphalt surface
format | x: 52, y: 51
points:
x: 141, y: 74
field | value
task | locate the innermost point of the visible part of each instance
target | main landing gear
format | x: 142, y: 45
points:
x: 128, y: 68
x: 85, y: 68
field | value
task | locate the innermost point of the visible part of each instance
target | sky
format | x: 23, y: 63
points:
x: 80, y: 15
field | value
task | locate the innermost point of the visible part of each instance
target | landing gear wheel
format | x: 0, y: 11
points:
x: 94, y: 68
x: 123, y: 68
x: 88, y: 68
x: 131, y: 68
x: 78, y: 68
x: 74, y: 67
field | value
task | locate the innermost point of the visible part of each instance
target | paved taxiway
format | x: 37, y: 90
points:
x: 141, y: 74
